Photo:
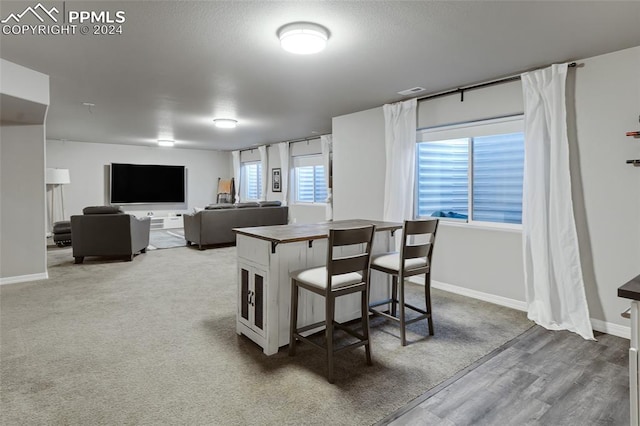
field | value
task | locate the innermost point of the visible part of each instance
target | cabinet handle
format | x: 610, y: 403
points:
x: 250, y: 297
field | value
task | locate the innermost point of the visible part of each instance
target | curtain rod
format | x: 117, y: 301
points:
x: 461, y: 90
x: 307, y: 139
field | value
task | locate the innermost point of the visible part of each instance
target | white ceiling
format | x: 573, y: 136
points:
x: 179, y: 64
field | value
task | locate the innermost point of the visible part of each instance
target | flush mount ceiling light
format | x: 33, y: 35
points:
x: 166, y: 142
x: 303, y: 38
x: 225, y: 123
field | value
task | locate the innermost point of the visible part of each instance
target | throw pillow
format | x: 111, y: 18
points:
x: 102, y: 210
x: 274, y: 203
x: 248, y: 204
x: 219, y: 206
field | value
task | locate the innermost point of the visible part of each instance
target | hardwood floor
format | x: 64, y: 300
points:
x: 541, y: 378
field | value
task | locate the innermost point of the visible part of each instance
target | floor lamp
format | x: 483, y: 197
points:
x: 56, y: 178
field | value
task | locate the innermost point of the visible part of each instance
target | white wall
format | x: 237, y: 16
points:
x: 358, y: 165
x: 89, y: 175
x: 22, y: 206
x: 606, y: 191
x: 22, y: 193
x: 607, y: 99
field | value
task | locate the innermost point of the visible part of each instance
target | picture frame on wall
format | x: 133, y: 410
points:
x: 276, y: 182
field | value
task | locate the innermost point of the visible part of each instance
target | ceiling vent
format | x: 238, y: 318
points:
x: 411, y: 91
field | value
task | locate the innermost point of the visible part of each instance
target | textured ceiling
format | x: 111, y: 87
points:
x: 179, y: 64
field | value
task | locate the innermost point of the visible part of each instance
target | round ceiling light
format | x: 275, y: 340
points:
x: 165, y: 142
x: 225, y: 123
x: 303, y: 38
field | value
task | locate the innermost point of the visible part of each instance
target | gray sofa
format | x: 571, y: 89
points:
x: 107, y: 231
x: 214, y: 225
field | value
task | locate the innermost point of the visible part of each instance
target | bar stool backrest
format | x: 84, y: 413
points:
x: 414, y: 228
x: 345, y: 264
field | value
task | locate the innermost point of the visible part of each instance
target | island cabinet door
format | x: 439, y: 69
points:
x: 252, y: 296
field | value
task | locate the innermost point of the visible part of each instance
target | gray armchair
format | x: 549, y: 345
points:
x: 107, y: 231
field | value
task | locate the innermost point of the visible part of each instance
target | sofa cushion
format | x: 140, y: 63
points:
x: 102, y: 210
x: 248, y: 204
x: 219, y: 206
x: 274, y: 203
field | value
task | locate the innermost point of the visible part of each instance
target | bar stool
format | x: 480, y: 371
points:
x: 343, y: 274
x: 415, y: 260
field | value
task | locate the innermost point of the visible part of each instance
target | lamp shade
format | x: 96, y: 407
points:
x: 57, y: 177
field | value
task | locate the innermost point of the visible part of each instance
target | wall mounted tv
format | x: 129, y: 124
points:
x: 147, y: 184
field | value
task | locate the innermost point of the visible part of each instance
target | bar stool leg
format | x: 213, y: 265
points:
x: 394, y: 295
x: 330, y: 312
x: 365, y: 324
x: 294, y: 318
x: 403, y: 337
x: 427, y: 295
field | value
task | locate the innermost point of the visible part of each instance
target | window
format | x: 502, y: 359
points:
x: 251, y: 180
x: 309, y: 179
x: 477, y: 178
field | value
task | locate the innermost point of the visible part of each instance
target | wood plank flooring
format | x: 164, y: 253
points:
x: 541, y: 378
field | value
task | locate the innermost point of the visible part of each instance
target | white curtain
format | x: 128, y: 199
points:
x: 326, y: 142
x: 235, y: 155
x: 283, y: 150
x: 555, y: 292
x: 264, y: 161
x: 400, y: 125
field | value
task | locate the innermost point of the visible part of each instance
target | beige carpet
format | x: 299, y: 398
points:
x: 153, y: 341
x: 166, y: 238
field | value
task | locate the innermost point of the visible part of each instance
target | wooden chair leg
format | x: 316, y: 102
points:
x: 294, y: 318
x: 394, y: 295
x: 427, y: 296
x: 365, y: 325
x: 330, y: 312
x: 403, y: 337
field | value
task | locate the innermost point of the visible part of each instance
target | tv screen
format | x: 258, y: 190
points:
x: 147, y: 184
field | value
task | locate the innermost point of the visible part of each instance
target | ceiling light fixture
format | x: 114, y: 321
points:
x: 166, y: 142
x: 303, y: 38
x: 225, y: 123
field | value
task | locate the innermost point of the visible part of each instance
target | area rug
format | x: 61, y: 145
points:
x: 153, y: 341
x: 166, y: 238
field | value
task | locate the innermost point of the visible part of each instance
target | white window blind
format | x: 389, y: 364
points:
x: 498, y: 164
x: 252, y: 180
x: 442, y: 181
x: 472, y: 172
x: 309, y: 179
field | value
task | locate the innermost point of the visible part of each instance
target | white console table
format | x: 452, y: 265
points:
x: 166, y: 222
x: 631, y: 290
x: 266, y: 255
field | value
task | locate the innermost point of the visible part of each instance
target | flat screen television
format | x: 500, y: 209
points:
x: 147, y: 184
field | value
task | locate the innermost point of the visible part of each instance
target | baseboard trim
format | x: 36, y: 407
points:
x: 24, y: 278
x: 487, y: 297
x: 596, y: 324
x: 611, y: 328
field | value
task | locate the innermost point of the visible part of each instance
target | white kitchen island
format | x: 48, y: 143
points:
x: 266, y: 255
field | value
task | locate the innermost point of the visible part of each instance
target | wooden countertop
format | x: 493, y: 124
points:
x: 313, y: 231
x: 630, y: 290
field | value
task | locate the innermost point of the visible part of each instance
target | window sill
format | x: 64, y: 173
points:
x: 309, y: 204
x: 486, y: 226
